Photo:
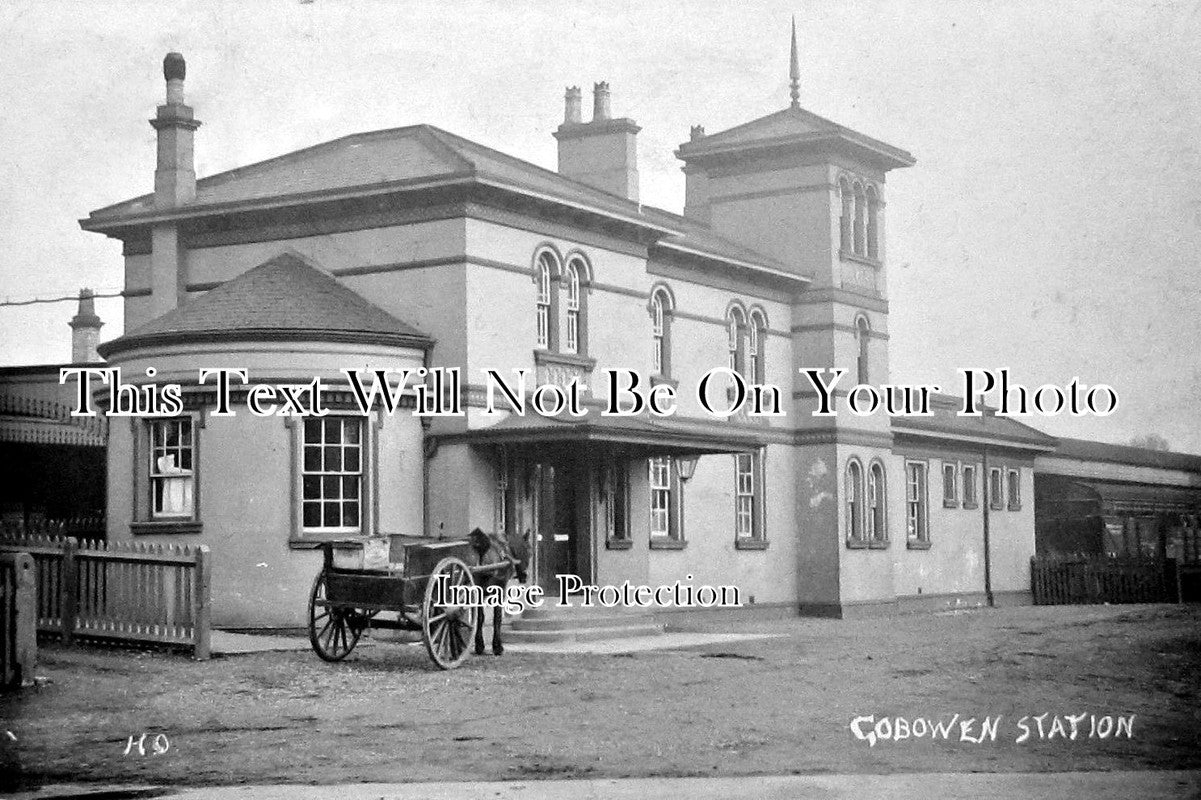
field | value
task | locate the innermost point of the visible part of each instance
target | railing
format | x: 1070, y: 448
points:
x: 1088, y: 579
x: 138, y: 592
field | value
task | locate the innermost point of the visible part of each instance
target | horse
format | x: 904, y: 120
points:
x: 491, y: 549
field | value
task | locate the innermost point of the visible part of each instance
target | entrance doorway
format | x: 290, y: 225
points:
x: 560, y: 546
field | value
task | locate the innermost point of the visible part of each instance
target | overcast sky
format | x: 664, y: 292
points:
x: 1052, y: 223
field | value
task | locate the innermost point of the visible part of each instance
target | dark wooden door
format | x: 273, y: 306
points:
x: 556, y: 537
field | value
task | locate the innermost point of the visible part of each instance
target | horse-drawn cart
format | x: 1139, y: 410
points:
x: 399, y: 583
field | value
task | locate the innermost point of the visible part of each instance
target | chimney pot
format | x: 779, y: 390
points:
x: 174, y: 71
x: 574, y: 112
x: 174, y: 67
x: 698, y: 132
x: 600, y: 101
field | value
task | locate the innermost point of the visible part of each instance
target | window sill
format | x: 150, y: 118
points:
x: 950, y: 503
x: 917, y: 544
x: 847, y: 255
x: 1014, y: 508
x: 664, y: 543
x: 544, y: 356
x: 311, y: 541
x: 971, y: 506
x: 747, y: 543
x: 659, y: 380
x: 165, y: 526
x: 864, y: 544
x: 618, y: 544
x: 996, y: 508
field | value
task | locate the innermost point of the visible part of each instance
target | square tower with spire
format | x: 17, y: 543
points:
x: 810, y: 193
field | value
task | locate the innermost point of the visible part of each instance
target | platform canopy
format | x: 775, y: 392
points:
x: 630, y: 437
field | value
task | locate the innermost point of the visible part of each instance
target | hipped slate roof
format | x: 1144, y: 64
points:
x: 946, y: 423
x: 410, y: 158
x: 790, y: 127
x: 286, y: 298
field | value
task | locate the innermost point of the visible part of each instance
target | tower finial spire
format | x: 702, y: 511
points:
x: 794, y: 70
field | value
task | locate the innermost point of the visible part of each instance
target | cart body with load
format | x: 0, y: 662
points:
x: 397, y: 583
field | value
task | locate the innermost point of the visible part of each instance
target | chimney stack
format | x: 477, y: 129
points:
x: 175, y: 176
x: 602, y: 153
x: 85, y: 330
x: 174, y: 185
x: 574, y: 113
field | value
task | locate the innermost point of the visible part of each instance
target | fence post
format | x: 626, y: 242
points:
x: 27, y: 616
x: 69, y: 586
x: 201, y: 614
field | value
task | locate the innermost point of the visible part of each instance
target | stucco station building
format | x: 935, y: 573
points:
x: 415, y: 247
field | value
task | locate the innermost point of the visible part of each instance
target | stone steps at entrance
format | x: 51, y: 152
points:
x: 583, y: 634
x: 558, y: 623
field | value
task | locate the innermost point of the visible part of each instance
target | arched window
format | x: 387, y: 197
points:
x: 873, y: 223
x: 862, y: 338
x: 846, y: 221
x: 571, y: 328
x: 735, y: 328
x: 661, y: 312
x: 854, y: 495
x: 860, y: 219
x: 877, y: 498
x: 546, y: 268
x: 756, y: 342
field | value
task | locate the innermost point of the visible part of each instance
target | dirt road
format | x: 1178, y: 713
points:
x: 773, y: 706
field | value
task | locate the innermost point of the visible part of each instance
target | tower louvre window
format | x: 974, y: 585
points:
x: 846, y: 220
x: 873, y: 223
x: 860, y: 220
x: 863, y: 340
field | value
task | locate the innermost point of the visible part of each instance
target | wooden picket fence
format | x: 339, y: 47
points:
x: 1089, y: 579
x: 138, y: 592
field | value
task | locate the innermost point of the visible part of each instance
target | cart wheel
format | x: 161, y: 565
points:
x: 332, y: 631
x: 448, y: 630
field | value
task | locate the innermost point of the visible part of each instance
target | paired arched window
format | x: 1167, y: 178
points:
x: 746, y: 341
x: 859, y: 220
x: 866, y: 503
x: 854, y: 500
x: 877, y: 499
x: 735, y: 332
x: 863, y: 335
x: 756, y: 342
x: 546, y: 268
x: 661, y: 308
x: 573, y: 279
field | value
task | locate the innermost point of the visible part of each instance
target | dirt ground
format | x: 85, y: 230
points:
x: 773, y: 706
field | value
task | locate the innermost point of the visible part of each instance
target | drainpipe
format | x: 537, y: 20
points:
x: 986, y: 502
x: 427, y: 453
